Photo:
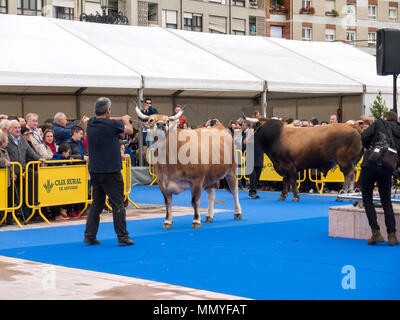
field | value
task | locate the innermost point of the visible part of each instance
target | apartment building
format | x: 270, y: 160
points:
x: 246, y: 17
x: 353, y: 21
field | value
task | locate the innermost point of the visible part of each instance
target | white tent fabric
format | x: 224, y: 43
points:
x: 37, y: 53
x: 344, y: 59
x: 164, y: 60
x: 284, y: 70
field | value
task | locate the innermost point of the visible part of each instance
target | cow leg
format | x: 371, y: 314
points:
x: 293, y: 183
x: 211, y: 198
x: 196, y: 193
x: 349, y: 173
x: 233, y: 187
x: 285, y: 187
x: 168, y: 208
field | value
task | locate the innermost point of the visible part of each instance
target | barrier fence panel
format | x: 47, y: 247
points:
x: 10, y: 205
x: 59, y: 183
x: 150, y: 157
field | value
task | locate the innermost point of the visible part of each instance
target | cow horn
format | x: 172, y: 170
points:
x: 140, y: 114
x: 178, y: 115
x: 252, y: 120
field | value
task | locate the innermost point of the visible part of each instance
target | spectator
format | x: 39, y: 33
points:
x: 314, y: 122
x: 63, y: 153
x: 60, y: 128
x: 305, y: 123
x: 182, y: 119
x: 75, y: 143
x: 324, y: 123
x: 257, y: 114
x: 4, y: 125
x: 297, y: 123
x: 333, y: 118
x: 48, y: 139
x: 19, y: 151
x: 148, y: 110
x: 35, y: 137
x: 258, y: 164
x: 5, y: 162
x: 22, y: 121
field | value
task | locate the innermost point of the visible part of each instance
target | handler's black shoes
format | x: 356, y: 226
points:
x: 91, y: 241
x: 126, y: 242
x: 253, y: 195
x: 376, y: 237
x: 392, y: 239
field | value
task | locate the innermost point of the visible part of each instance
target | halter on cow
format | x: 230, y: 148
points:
x: 186, y: 160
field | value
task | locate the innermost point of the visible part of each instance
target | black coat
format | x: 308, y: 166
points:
x: 370, y: 136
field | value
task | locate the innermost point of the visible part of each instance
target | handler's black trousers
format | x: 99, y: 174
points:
x: 254, y: 178
x: 112, y: 185
x: 384, y: 181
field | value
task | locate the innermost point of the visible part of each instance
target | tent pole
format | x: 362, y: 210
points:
x: 394, y: 92
x: 140, y: 103
x: 264, y: 103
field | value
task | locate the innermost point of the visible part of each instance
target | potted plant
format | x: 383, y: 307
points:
x: 307, y: 10
x: 332, y: 13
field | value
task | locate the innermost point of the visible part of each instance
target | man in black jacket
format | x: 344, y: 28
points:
x: 371, y: 173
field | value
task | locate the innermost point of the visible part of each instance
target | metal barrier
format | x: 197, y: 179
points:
x: 150, y: 157
x: 127, y: 177
x: 4, y: 201
x: 59, y: 183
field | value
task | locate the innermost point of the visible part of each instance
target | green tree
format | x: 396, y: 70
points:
x: 378, y: 107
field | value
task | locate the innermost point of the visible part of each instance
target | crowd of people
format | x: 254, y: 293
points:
x: 23, y: 140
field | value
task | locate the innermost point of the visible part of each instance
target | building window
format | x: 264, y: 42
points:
x: 253, y: 26
x: 392, y: 13
x: 351, y: 9
x: 329, y: 5
x: 3, y: 6
x: 169, y: 19
x: 305, y: 3
x: 276, y: 32
x: 238, y: 26
x: 371, y: 39
x: 306, y: 34
x: 351, y: 37
x: 218, y: 1
x: 330, y: 34
x: 193, y: 22
x: 30, y: 7
x: 64, y: 13
x: 152, y: 13
x: 372, y: 12
x: 239, y: 3
x: 217, y: 24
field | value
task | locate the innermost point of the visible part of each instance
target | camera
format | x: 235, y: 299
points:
x: 213, y: 122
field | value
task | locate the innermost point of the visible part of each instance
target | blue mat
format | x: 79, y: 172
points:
x: 280, y: 250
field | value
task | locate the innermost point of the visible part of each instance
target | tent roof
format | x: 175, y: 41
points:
x: 283, y: 69
x: 164, y: 60
x: 344, y: 59
x: 37, y: 53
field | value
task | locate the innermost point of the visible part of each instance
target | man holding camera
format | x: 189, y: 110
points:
x: 105, y: 164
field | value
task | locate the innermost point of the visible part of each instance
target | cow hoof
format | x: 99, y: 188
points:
x: 167, y: 226
x: 196, y: 225
x: 295, y: 199
x: 238, y: 216
x: 282, y: 198
x: 208, y: 219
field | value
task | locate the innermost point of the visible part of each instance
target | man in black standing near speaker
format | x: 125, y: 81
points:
x: 105, y: 164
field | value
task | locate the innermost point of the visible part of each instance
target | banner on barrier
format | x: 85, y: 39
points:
x: 268, y: 172
x: 62, y: 185
x: 3, y: 187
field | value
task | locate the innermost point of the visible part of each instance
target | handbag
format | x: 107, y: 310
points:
x: 382, y: 154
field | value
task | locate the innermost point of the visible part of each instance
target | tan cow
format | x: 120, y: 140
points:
x: 192, y: 159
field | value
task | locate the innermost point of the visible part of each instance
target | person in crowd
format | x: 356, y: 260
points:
x: 19, y: 151
x: 26, y: 134
x: 35, y: 137
x: 105, y: 167
x: 297, y: 123
x: 305, y: 123
x: 4, y: 163
x: 314, y: 122
x: 75, y: 143
x: 63, y: 153
x: 324, y: 123
x: 48, y: 140
x: 371, y: 173
x: 333, y: 118
x: 258, y: 163
x: 257, y: 114
x: 61, y: 129
x: 22, y: 121
x: 182, y: 119
x: 148, y: 110
x: 4, y: 125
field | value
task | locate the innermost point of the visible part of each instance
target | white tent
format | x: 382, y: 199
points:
x: 39, y: 57
x: 283, y: 70
x: 348, y: 61
x: 166, y: 63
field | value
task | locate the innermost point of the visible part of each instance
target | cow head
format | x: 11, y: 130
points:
x: 255, y: 122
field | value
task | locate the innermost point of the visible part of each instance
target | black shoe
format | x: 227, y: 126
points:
x: 253, y: 196
x: 126, y: 242
x: 91, y: 241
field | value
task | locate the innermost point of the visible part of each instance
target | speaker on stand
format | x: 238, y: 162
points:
x: 388, y: 57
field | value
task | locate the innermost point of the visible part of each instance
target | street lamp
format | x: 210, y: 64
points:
x: 110, y: 18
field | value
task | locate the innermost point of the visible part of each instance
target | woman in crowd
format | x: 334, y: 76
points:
x: 48, y: 139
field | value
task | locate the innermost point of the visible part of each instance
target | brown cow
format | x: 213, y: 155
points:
x: 321, y: 147
x: 187, y: 159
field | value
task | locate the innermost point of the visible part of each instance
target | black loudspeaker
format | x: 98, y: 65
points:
x: 388, y: 51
